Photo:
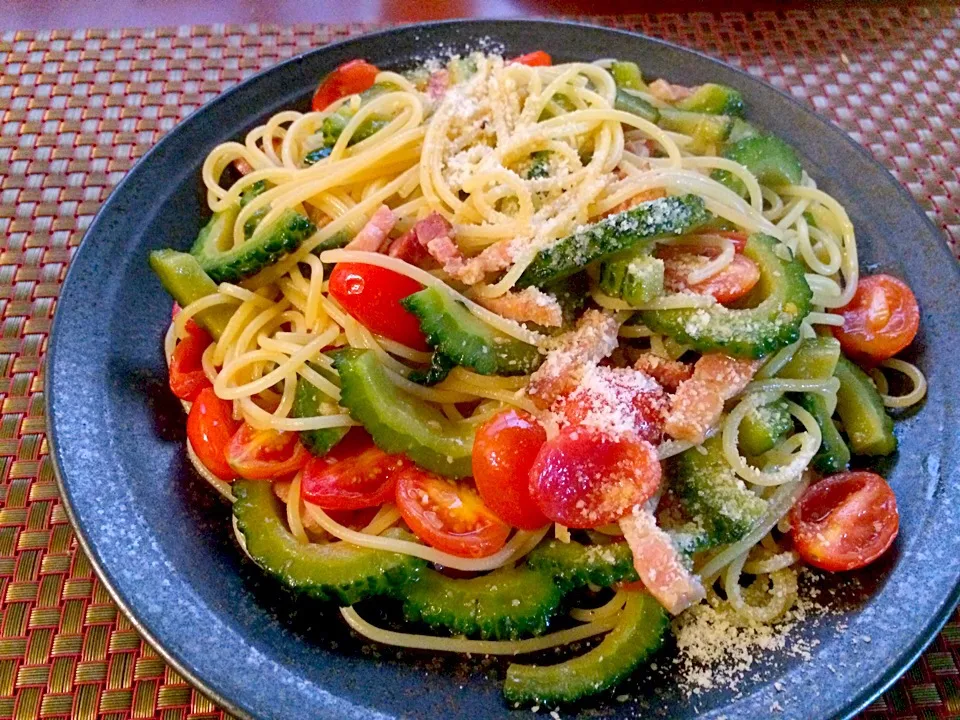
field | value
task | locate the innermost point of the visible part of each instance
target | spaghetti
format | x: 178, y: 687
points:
x: 427, y: 253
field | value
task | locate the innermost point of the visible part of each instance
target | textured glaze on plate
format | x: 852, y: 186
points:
x: 160, y: 537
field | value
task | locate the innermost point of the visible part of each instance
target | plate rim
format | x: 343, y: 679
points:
x: 850, y: 707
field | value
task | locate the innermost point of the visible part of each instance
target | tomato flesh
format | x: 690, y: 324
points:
x: 448, y: 516
x: 537, y: 58
x: 187, y: 378
x: 880, y: 320
x: 845, y: 521
x: 265, y: 454
x: 349, y: 79
x: 584, y: 477
x: 730, y: 284
x: 624, y: 393
x: 372, y: 295
x: 503, y: 452
x: 362, y: 476
x: 210, y: 425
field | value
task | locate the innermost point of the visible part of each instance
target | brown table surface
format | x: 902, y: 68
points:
x: 79, y: 106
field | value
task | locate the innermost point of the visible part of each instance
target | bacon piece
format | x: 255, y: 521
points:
x: 445, y: 251
x: 375, y: 232
x: 408, y: 248
x: 658, y: 563
x: 698, y: 402
x: 662, y: 90
x: 432, y: 226
x: 593, y: 339
x: 669, y: 373
x: 529, y: 305
x: 437, y: 84
x: 641, y: 197
x: 242, y: 166
x: 640, y: 148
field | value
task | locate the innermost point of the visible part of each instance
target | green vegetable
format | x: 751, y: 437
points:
x: 399, y: 422
x: 865, y: 420
x: 635, y: 280
x: 635, y: 228
x: 337, y: 240
x: 711, y: 492
x: 636, y: 106
x: 816, y: 359
x: 627, y: 75
x: 768, y: 158
x: 440, y: 367
x: 573, y: 565
x: 638, y: 634
x: 461, y: 69
x: 833, y: 455
x: 466, y: 340
x: 751, y: 332
x: 335, y: 123
x: 255, y: 190
x: 741, y: 129
x: 182, y: 277
x: 214, y: 249
x: 708, y: 131
x: 337, y: 571
x: 714, y: 99
x: 315, y: 156
x: 503, y: 604
x: 539, y: 165
x: 310, y: 401
x: 764, y: 427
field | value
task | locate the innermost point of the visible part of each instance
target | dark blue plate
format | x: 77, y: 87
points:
x: 160, y: 538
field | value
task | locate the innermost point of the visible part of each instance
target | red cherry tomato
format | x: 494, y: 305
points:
x: 625, y: 392
x: 583, y: 477
x: 537, y: 58
x: 210, y: 425
x: 353, y: 519
x: 503, y: 452
x: 358, y: 476
x: 348, y: 79
x: 728, y: 285
x: 265, y: 454
x: 880, y: 320
x: 845, y: 521
x: 372, y: 295
x: 187, y: 378
x: 448, y: 516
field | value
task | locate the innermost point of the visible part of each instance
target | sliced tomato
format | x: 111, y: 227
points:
x: 730, y: 284
x: 210, y: 425
x: 880, y: 320
x: 583, y: 477
x: 359, y: 477
x: 845, y: 521
x: 372, y: 295
x: 448, y: 516
x: 537, y: 58
x: 503, y: 453
x: 265, y: 454
x: 634, y: 398
x: 353, y: 519
x: 349, y: 79
x: 187, y: 378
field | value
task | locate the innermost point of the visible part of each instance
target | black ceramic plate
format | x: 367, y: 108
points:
x: 161, y: 540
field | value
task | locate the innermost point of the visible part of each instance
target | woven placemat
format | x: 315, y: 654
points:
x: 80, y: 107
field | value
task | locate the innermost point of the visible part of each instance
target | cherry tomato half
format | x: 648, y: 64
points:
x: 357, y: 476
x: 187, y: 378
x: 447, y: 515
x: 880, y: 320
x: 210, y: 425
x: 372, y: 295
x: 537, y: 58
x: 348, y: 79
x: 845, y: 521
x: 620, y: 391
x: 503, y: 452
x: 730, y: 284
x: 583, y: 477
x: 265, y: 454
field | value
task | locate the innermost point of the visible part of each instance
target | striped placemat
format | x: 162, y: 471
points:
x: 79, y: 107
